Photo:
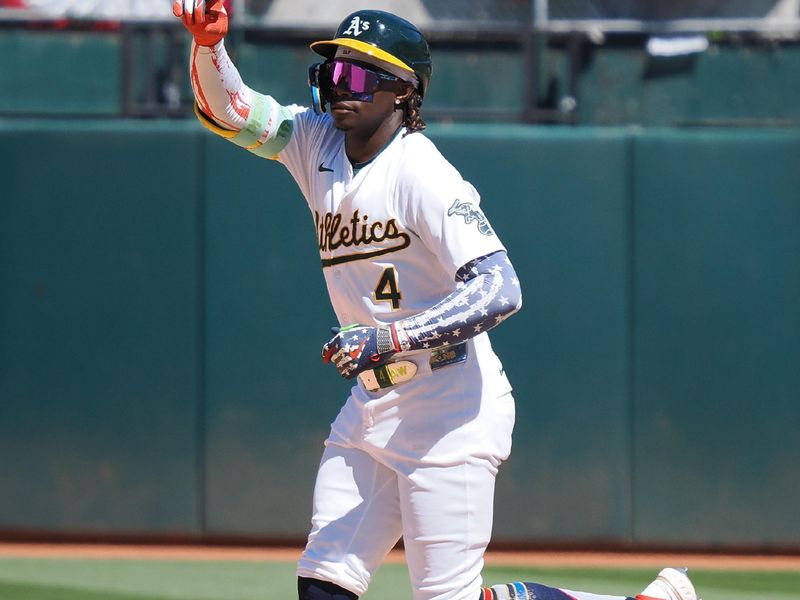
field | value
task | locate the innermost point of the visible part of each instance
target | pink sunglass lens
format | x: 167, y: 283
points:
x: 338, y: 72
x: 357, y: 79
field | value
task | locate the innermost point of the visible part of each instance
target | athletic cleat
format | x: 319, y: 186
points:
x: 670, y: 584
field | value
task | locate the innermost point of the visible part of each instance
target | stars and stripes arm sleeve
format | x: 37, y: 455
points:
x: 488, y: 292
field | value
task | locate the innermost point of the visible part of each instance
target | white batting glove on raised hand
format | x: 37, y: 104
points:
x: 206, y: 21
x: 356, y: 348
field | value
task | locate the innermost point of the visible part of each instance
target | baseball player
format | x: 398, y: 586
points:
x: 417, y: 276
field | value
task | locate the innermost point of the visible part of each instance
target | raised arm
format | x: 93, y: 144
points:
x: 218, y: 88
x: 225, y: 105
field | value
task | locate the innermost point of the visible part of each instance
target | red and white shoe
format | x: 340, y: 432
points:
x: 670, y: 584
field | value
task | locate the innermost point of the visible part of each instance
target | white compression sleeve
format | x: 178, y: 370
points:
x: 218, y: 88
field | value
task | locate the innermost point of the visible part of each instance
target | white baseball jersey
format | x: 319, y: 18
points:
x: 404, y: 210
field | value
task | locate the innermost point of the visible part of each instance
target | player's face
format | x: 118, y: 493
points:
x: 361, y: 98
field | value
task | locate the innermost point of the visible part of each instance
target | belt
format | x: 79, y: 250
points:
x: 395, y: 373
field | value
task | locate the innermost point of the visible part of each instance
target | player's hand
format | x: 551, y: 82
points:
x: 356, y: 348
x: 206, y: 21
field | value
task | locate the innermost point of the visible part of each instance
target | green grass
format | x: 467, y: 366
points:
x: 79, y: 579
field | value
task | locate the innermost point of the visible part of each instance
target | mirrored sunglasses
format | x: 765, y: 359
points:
x: 360, y: 81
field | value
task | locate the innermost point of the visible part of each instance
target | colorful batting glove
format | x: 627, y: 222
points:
x: 207, y: 23
x: 356, y: 348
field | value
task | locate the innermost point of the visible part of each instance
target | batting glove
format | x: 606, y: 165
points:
x: 356, y: 348
x: 208, y: 24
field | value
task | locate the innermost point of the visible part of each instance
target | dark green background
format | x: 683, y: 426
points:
x: 162, y: 310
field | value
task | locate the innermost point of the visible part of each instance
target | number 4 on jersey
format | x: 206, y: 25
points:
x: 386, y: 290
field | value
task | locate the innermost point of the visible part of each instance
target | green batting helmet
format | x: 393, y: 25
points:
x: 385, y: 36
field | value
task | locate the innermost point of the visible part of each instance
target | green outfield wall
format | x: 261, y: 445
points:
x: 162, y: 311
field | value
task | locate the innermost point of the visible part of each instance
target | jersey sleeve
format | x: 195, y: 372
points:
x: 312, y: 135
x: 444, y: 211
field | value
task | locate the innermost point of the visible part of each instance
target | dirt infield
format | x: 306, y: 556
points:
x: 537, y: 558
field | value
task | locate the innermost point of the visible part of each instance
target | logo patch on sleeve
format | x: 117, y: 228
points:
x: 471, y: 214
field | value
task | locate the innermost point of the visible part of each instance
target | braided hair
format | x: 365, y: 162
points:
x: 413, y: 119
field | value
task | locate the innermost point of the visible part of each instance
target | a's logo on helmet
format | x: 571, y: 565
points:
x: 357, y: 27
